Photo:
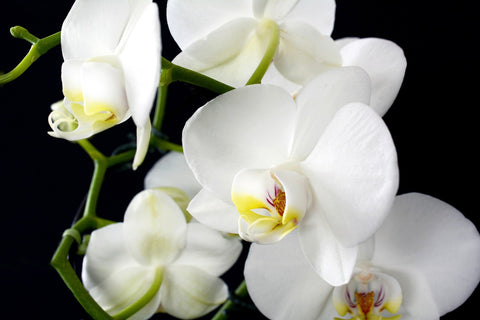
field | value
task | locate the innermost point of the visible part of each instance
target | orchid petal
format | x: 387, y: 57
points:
x: 104, y: 90
x: 217, y: 139
x: 154, y: 228
x: 432, y: 237
x: 384, y: 62
x: 230, y: 53
x: 94, y: 28
x: 139, y: 56
x: 329, y: 258
x: 318, y: 102
x: 187, y: 25
x: 274, y: 10
x: 273, y: 76
x: 72, y: 80
x: 143, y: 140
x: 188, y: 292
x: 113, y: 278
x: 304, y: 52
x: 172, y: 171
x: 282, y: 283
x: 209, y: 250
x: 319, y: 13
x: 211, y: 211
x: 353, y: 172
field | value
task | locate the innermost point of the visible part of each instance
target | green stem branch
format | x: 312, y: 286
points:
x: 38, y: 48
x: 241, y: 292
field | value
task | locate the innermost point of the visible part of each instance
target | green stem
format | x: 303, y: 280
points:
x: 189, y: 76
x: 241, y: 292
x: 165, y: 80
x: 38, y: 48
x: 272, y: 46
x: 61, y: 263
x: 165, y: 145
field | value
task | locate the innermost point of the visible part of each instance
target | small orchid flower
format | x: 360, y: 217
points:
x: 324, y: 163
x: 230, y: 40
x: 111, y: 70
x: 382, y: 59
x: 157, y: 262
x: 422, y: 263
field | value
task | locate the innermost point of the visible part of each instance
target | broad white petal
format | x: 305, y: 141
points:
x: 273, y: 76
x: 188, y: 292
x: 105, y: 254
x: 283, y: 284
x: 434, y: 239
x: 272, y: 9
x: 143, y: 140
x: 187, y: 25
x: 354, y: 173
x: 218, y: 138
x: 320, y: 14
x: 154, y: 228
x: 384, y: 62
x: 329, y: 258
x: 210, y: 210
x: 229, y: 54
x: 209, y: 250
x: 140, y: 58
x: 304, y: 52
x: 318, y: 102
x: 172, y: 171
x: 94, y: 28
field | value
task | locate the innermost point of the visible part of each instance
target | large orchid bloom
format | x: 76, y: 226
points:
x: 111, y: 70
x: 156, y: 261
x: 382, y: 59
x: 423, y: 262
x: 324, y: 163
x: 229, y: 40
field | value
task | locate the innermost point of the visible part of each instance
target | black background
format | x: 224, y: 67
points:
x: 44, y: 180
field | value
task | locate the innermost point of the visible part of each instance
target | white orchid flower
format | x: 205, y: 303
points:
x: 324, y: 163
x: 154, y: 261
x: 423, y: 262
x: 228, y: 40
x: 111, y: 70
x: 382, y: 59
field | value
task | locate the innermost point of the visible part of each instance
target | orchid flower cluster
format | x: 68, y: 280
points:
x: 291, y: 160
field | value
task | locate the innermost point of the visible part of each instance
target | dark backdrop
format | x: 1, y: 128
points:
x: 44, y: 180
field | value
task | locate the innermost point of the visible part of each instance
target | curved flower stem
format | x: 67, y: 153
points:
x: 241, y: 292
x: 165, y: 80
x: 189, y: 76
x: 38, y: 48
x: 272, y: 46
x: 164, y: 144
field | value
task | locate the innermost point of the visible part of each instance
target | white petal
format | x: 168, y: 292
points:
x: 304, y: 52
x: 139, y: 56
x: 154, y: 228
x: 428, y: 235
x: 210, y: 210
x: 229, y: 54
x: 320, y: 14
x: 272, y: 9
x: 353, y: 172
x: 384, y: 62
x: 273, y: 76
x: 172, y: 171
x: 94, y: 28
x: 282, y: 283
x: 209, y: 250
x: 329, y: 258
x: 218, y: 138
x: 188, y: 292
x: 143, y: 140
x: 72, y: 80
x: 105, y: 254
x: 320, y: 99
x: 104, y: 89
x: 111, y: 275
x: 187, y: 25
